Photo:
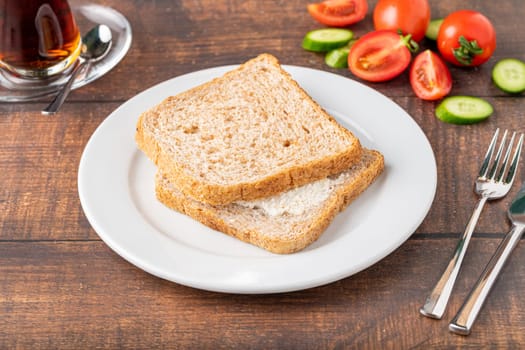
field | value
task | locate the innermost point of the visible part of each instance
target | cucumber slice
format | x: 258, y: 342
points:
x: 464, y: 110
x: 326, y: 39
x: 338, y: 58
x: 509, y: 75
x: 433, y: 29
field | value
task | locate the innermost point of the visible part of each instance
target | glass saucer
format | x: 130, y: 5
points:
x: 15, y: 89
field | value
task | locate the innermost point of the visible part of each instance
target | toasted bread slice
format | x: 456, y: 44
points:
x: 284, y: 223
x: 250, y: 133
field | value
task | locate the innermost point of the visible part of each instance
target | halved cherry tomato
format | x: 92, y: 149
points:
x: 430, y: 77
x: 338, y: 13
x: 409, y: 16
x: 466, y: 38
x: 379, y: 56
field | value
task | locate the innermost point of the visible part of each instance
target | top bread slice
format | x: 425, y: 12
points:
x: 250, y: 133
x: 284, y: 223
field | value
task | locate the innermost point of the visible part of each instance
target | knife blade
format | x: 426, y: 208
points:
x: 517, y: 207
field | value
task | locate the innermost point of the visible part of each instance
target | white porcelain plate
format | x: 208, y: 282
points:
x: 116, y: 188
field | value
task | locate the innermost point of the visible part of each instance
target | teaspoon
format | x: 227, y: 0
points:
x: 95, y: 45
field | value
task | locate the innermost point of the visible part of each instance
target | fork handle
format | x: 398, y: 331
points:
x: 436, y: 302
x: 463, y: 321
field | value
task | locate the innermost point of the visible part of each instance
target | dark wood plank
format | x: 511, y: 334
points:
x: 74, y: 295
x: 172, y: 38
x: 39, y: 158
x: 61, y: 287
x: 459, y: 150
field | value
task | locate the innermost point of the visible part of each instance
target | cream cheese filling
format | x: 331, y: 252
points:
x: 295, y: 201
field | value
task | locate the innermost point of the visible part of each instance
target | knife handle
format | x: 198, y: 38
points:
x: 464, y: 319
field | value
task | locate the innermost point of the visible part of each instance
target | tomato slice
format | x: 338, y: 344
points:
x: 379, y: 56
x: 338, y: 13
x: 429, y: 76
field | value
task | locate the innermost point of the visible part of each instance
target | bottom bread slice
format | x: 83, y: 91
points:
x: 284, y: 223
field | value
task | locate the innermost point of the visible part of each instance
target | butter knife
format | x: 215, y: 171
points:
x: 467, y: 314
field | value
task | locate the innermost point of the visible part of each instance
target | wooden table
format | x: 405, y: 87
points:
x: 62, y: 287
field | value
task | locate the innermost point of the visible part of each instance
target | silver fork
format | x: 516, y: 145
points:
x: 494, y: 181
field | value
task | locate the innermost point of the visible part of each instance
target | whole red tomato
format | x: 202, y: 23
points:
x: 409, y: 16
x: 466, y: 38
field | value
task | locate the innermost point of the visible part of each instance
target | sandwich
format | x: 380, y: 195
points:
x: 250, y: 154
x: 283, y: 223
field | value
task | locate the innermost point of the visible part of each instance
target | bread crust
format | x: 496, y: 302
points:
x: 274, y: 182
x: 304, y: 233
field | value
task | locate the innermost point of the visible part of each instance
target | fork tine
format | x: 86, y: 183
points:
x: 504, y: 163
x: 515, y: 160
x: 497, y: 158
x: 488, y: 155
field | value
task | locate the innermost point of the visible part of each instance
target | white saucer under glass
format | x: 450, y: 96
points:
x: 15, y: 89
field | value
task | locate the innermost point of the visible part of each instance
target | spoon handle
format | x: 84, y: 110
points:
x: 61, y: 96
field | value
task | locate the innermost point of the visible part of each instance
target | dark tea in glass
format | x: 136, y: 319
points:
x: 37, y: 38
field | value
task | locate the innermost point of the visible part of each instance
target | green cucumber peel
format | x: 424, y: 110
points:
x: 463, y: 110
